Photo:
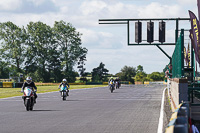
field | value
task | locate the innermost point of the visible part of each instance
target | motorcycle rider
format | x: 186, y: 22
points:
x: 64, y: 83
x: 30, y: 83
x: 110, y: 80
x: 118, y: 81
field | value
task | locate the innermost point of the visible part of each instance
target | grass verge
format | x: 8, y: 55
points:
x: 11, y: 92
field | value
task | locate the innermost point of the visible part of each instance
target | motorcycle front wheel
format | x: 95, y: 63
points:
x: 28, y: 104
x: 111, y: 89
x: 64, y: 96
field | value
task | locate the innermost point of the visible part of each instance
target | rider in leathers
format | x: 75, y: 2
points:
x: 30, y: 83
x: 64, y: 83
x: 118, y: 80
x: 111, y: 80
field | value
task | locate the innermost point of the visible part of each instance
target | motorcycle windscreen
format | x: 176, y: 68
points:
x: 63, y: 88
x: 27, y: 91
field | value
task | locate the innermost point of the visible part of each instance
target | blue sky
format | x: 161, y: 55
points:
x: 105, y: 43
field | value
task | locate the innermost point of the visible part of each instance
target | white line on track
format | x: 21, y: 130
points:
x: 160, y: 124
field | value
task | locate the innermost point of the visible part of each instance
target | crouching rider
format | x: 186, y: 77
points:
x: 64, y: 83
x: 31, y: 84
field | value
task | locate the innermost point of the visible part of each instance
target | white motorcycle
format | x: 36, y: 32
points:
x: 29, y: 98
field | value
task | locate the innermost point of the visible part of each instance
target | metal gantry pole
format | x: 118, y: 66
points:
x: 182, y: 52
x: 128, y: 32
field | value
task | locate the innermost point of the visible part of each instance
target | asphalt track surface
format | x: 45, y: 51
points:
x: 130, y: 109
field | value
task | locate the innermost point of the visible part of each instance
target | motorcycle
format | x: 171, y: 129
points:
x: 117, y: 85
x: 64, y: 92
x: 111, y: 86
x: 29, y: 98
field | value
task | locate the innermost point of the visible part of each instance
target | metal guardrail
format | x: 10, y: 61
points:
x: 179, y: 120
x: 7, y: 84
x: 194, y: 93
x: 155, y: 82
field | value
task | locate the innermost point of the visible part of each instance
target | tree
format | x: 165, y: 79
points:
x: 81, y: 68
x: 41, y: 46
x: 141, y: 76
x: 139, y: 69
x: 12, y: 49
x: 99, y: 74
x: 44, y: 53
x: 69, y: 46
x: 156, y: 76
x: 54, y: 65
x: 4, y: 70
x: 127, y: 73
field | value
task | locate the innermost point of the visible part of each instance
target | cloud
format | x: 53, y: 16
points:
x: 89, y: 36
x: 187, y: 2
x: 27, y: 6
x: 61, y: 3
x: 157, y: 10
x: 10, y: 5
x: 37, y: 2
x: 92, y: 7
x: 98, y: 39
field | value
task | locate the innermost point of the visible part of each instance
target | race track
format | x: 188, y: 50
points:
x: 130, y: 109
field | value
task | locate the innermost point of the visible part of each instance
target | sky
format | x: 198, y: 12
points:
x: 106, y: 43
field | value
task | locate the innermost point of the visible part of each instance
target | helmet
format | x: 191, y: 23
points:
x: 64, y: 80
x: 28, y: 80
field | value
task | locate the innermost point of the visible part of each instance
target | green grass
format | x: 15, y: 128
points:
x: 11, y: 92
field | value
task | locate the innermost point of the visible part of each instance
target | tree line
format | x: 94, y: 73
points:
x: 133, y: 74
x: 45, y: 53
x: 127, y: 73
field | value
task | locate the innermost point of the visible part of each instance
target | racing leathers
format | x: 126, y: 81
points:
x: 65, y: 84
x: 32, y: 85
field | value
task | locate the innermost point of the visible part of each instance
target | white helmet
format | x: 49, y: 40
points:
x: 28, y: 80
x: 64, y: 80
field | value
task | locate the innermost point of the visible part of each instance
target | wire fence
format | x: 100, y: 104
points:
x: 177, y: 57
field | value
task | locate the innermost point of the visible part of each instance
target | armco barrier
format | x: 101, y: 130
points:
x: 7, y: 84
x: 76, y: 83
x: 46, y: 84
x: 179, y: 92
x: 94, y: 83
x: 179, y: 120
x: 138, y: 83
x: 17, y: 85
x: 50, y: 84
x: 122, y: 82
x: 125, y: 82
x: 105, y: 83
x: 1, y: 85
x: 154, y: 82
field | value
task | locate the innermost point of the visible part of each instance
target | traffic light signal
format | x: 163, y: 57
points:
x: 162, y: 31
x: 138, y: 32
x: 150, y: 31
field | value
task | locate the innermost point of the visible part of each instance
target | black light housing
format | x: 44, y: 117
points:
x: 150, y: 31
x: 162, y: 31
x: 138, y: 32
